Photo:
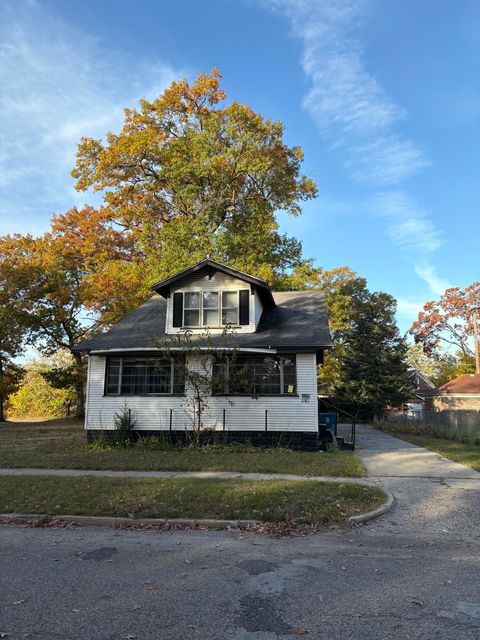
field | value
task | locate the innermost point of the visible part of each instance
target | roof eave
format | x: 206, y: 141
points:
x: 254, y: 348
x: 163, y: 287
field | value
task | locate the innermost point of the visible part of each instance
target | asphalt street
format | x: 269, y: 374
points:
x: 414, y: 573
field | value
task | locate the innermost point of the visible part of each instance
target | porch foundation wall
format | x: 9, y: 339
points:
x: 298, y: 440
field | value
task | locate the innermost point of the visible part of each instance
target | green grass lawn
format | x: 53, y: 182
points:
x: 467, y: 454
x: 268, y: 501
x: 60, y: 444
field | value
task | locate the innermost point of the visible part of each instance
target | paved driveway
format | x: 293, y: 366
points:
x: 435, y: 496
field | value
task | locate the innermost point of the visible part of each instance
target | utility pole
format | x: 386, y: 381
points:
x: 475, y: 339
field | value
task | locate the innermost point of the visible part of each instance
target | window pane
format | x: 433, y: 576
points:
x: 113, y: 373
x: 289, y: 375
x: 229, y: 316
x: 219, y: 378
x: 267, y: 376
x: 179, y: 375
x: 210, y: 317
x: 210, y: 300
x: 242, y: 371
x: 192, y: 300
x: 289, y: 384
x: 229, y: 299
x: 134, y: 377
x: 159, y: 376
x: 191, y: 318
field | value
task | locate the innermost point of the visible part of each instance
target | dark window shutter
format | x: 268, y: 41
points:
x: 244, y: 314
x: 177, y: 309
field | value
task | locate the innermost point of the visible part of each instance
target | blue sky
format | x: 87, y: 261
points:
x: 384, y: 98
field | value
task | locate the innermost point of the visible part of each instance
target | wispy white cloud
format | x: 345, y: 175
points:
x: 350, y: 106
x: 407, y: 224
x: 361, y: 121
x: 385, y: 161
x: 409, y: 227
x: 57, y: 84
x: 428, y: 273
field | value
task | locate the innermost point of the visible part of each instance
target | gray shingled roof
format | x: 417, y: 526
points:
x: 299, y: 321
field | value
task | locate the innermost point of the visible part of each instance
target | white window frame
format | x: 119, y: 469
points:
x: 237, y: 323
x: 220, y: 308
x: 219, y: 297
x: 199, y: 309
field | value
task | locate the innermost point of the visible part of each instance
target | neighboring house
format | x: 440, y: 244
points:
x: 279, y: 339
x: 422, y: 386
x: 460, y: 394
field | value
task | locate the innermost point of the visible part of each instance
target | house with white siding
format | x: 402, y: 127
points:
x: 277, y: 339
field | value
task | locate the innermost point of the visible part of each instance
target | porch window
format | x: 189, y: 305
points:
x: 144, y: 376
x: 255, y: 375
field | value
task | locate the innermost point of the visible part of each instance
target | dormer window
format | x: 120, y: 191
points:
x: 191, y: 309
x: 229, y: 307
x: 195, y: 309
x: 210, y: 308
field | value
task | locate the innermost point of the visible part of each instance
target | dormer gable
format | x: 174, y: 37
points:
x: 210, y: 295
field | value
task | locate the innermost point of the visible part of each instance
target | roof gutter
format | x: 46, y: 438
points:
x: 99, y: 352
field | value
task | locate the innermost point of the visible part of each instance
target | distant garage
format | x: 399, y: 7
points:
x: 458, y: 401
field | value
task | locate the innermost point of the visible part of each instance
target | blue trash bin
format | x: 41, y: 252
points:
x: 328, y: 421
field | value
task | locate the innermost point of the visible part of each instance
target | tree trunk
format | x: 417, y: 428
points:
x: 79, y: 386
x: 198, y: 422
x: 2, y: 399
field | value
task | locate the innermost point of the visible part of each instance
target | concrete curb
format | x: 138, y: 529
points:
x: 210, y: 523
x: 376, y: 513
x: 204, y: 523
x: 111, y: 521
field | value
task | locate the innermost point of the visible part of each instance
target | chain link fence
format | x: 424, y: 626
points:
x: 461, y: 424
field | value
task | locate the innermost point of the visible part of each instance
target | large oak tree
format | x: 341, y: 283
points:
x: 189, y: 177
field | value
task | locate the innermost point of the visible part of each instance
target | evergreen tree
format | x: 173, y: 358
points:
x: 371, y: 358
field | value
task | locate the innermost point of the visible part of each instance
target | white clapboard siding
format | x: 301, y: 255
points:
x: 242, y: 413
x: 218, y: 282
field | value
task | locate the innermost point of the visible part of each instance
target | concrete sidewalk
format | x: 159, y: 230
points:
x: 221, y: 475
